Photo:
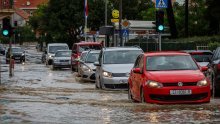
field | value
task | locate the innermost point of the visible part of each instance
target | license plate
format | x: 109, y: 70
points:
x: 180, y: 92
x: 123, y: 81
x: 17, y: 57
x: 64, y: 63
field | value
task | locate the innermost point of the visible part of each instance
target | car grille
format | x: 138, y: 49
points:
x: 116, y: 86
x: 179, y: 97
x: 92, y: 77
x: 118, y: 74
x: 176, y: 84
x: 64, y: 60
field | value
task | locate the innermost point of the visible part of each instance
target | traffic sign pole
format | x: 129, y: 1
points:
x: 159, y: 41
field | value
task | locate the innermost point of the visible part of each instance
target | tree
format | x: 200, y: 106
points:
x: 63, y: 21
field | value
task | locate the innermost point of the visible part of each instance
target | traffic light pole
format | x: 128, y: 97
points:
x: 10, y: 57
x: 159, y: 38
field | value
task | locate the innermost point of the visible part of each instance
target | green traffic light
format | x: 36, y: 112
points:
x: 160, y: 27
x: 5, y: 32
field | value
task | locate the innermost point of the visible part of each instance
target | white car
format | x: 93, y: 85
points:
x: 62, y: 59
x: 86, y: 68
x: 52, y: 48
x: 114, y: 65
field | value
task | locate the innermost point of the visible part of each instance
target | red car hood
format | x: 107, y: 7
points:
x: 176, y: 76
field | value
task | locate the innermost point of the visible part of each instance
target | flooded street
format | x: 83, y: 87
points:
x: 37, y: 94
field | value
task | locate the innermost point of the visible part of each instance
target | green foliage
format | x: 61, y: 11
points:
x: 213, y: 46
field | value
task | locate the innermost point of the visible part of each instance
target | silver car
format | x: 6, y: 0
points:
x: 62, y: 59
x: 114, y: 65
x: 86, y: 67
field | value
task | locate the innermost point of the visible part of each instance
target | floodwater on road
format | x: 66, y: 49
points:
x: 37, y: 94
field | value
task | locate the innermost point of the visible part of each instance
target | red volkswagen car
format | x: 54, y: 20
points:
x: 168, y: 77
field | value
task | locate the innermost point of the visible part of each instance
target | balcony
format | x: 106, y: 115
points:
x: 6, y: 7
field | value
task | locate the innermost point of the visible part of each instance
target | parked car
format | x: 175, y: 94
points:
x: 18, y: 54
x: 62, y: 59
x: 78, y: 48
x: 168, y: 77
x: 202, y: 57
x: 86, y: 67
x: 52, y: 48
x: 114, y: 65
x: 2, y: 49
x: 213, y: 72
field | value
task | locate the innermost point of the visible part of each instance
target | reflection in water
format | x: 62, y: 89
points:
x: 153, y: 117
x: 106, y: 115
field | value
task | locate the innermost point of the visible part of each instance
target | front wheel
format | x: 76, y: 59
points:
x: 142, y: 96
x: 130, y: 97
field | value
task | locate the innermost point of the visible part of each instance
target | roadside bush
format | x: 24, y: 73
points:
x: 213, y: 46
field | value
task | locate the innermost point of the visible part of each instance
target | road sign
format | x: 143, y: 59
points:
x: 161, y: 4
x: 125, y: 32
x: 125, y: 24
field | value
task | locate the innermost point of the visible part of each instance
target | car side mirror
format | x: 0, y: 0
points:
x: 97, y: 64
x: 136, y: 70
x: 204, y: 68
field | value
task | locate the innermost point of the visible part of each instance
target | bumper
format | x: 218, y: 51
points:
x: 89, y: 76
x: 60, y: 65
x: 115, y: 83
x: 162, y: 95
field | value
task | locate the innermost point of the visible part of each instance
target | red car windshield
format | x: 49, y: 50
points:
x: 166, y: 63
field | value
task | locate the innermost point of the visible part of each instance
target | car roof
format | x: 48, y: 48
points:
x: 166, y: 53
x: 56, y: 44
x: 195, y: 51
x: 88, y: 43
x: 120, y: 48
x: 94, y: 51
x: 64, y: 50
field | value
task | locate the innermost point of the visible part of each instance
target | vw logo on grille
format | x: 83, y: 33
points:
x: 180, y: 84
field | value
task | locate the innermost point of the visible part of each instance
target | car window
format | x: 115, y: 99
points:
x: 121, y: 56
x: 63, y: 54
x: 54, y: 49
x: 14, y: 50
x: 216, y: 54
x: 83, y: 56
x: 137, y: 61
x: 92, y: 57
x: 88, y: 47
x: 202, y: 57
x: 165, y: 63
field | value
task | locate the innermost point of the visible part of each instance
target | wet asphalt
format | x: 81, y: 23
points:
x: 38, y: 94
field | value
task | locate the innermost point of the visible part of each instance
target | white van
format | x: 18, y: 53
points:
x: 52, y: 48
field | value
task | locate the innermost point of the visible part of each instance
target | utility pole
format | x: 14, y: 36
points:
x: 106, y: 12
x: 120, y: 19
x: 186, y: 17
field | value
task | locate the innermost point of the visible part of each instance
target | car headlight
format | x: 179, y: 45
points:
x: 86, y: 68
x: 22, y: 54
x: 154, y: 84
x: 202, y: 83
x: 107, y: 74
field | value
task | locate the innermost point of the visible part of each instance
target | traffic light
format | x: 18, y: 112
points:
x: 159, y: 21
x: 6, y: 28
